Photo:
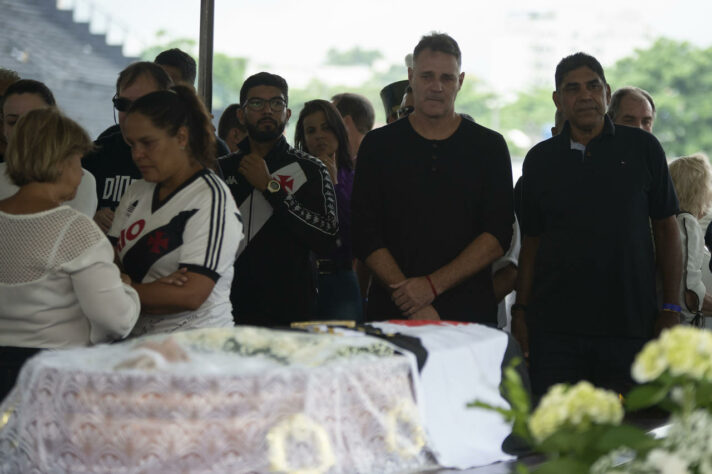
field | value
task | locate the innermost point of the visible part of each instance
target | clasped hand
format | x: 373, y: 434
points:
x: 412, y: 295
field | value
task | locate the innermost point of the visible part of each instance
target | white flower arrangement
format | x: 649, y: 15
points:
x: 579, y: 429
x: 301, y: 429
x: 686, y: 449
x: 283, y: 347
x: 406, y: 413
x: 578, y: 407
x: 681, y: 351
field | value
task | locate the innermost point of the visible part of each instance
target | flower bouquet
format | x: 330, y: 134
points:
x: 573, y: 426
x: 580, y: 429
x: 675, y: 373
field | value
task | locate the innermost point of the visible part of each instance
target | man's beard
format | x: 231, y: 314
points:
x: 262, y: 136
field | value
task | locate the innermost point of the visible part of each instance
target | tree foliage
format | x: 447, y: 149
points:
x: 353, y: 57
x: 677, y: 75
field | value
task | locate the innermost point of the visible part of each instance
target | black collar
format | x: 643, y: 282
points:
x: 609, y: 129
x: 157, y: 203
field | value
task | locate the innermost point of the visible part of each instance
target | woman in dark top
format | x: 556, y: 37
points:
x: 320, y: 131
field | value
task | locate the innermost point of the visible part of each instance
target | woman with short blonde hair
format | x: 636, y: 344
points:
x: 692, y: 178
x: 59, y: 286
x: 29, y: 159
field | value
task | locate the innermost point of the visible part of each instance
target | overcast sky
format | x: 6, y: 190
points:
x: 297, y: 33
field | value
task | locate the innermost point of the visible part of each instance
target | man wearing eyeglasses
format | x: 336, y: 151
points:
x: 111, y: 162
x: 288, y: 208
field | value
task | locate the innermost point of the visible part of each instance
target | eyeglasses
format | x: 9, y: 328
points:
x: 122, y: 104
x: 405, y: 111
x: 277, y: 104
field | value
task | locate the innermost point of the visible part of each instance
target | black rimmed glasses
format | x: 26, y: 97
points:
x: 277, y: 104
x: 121, y: 104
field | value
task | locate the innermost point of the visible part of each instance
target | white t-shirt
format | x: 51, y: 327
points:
x: 693, y: 250
x: 504, y: 316
x: 85, y: 200
x: 59, y: 286
x: 198, y: 227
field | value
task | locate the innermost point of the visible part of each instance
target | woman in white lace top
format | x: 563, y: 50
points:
x: 692, y: 178
x: 59, y: 286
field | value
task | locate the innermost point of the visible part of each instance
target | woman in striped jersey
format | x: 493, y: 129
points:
x: 177, y: 230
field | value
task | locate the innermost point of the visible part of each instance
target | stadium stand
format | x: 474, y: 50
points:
x: 44, y: 43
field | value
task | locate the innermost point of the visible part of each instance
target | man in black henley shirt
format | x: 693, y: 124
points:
x: 432, y: 201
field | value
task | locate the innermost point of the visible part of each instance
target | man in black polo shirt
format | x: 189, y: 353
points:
x: 432, y: 201
x: 586, y: 299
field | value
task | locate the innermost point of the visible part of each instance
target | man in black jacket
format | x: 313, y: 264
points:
x: 288, y: 207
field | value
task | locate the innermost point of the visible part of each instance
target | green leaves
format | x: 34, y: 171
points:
x: 624, y: 435
x: 353, y: 57
x: 563, y: 465
x: 677, y: 76
x: 520, y: 405
x: 645, y: 396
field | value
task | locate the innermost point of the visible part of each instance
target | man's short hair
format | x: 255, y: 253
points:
x: 30, y: 86
x: 41, y: 141
x: 180, y: 60
x: 575, y: 61
x: 264, y: 79
x: 440, y: 42
x: 228, y: 121
x: 617, y: 98
x: 358, y: 108
x: 133, y: 71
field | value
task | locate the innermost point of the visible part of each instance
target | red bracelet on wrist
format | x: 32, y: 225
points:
x: 432, y: 287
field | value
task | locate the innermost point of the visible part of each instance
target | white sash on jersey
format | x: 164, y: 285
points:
x: 256, y: 210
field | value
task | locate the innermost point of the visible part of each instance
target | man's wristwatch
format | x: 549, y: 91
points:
x: 273, y: 186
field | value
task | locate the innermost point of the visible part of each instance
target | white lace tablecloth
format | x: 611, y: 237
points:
x: 246, y: 400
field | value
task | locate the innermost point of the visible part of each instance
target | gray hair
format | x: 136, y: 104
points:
x: 617, y: 98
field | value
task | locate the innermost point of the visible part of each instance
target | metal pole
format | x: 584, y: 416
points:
x: 205, y: 53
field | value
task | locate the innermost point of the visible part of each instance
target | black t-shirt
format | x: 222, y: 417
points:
x: 112, y: 166
x: 425, y: 201
x: 594, y: 272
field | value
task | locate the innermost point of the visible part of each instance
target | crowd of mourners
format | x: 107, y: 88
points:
x: 160, y: 226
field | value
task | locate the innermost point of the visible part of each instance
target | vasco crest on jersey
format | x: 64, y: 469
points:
x: 151, y: 245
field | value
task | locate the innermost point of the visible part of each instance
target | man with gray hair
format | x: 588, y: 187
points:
x: 432, y: 201
x: 634, y: 107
